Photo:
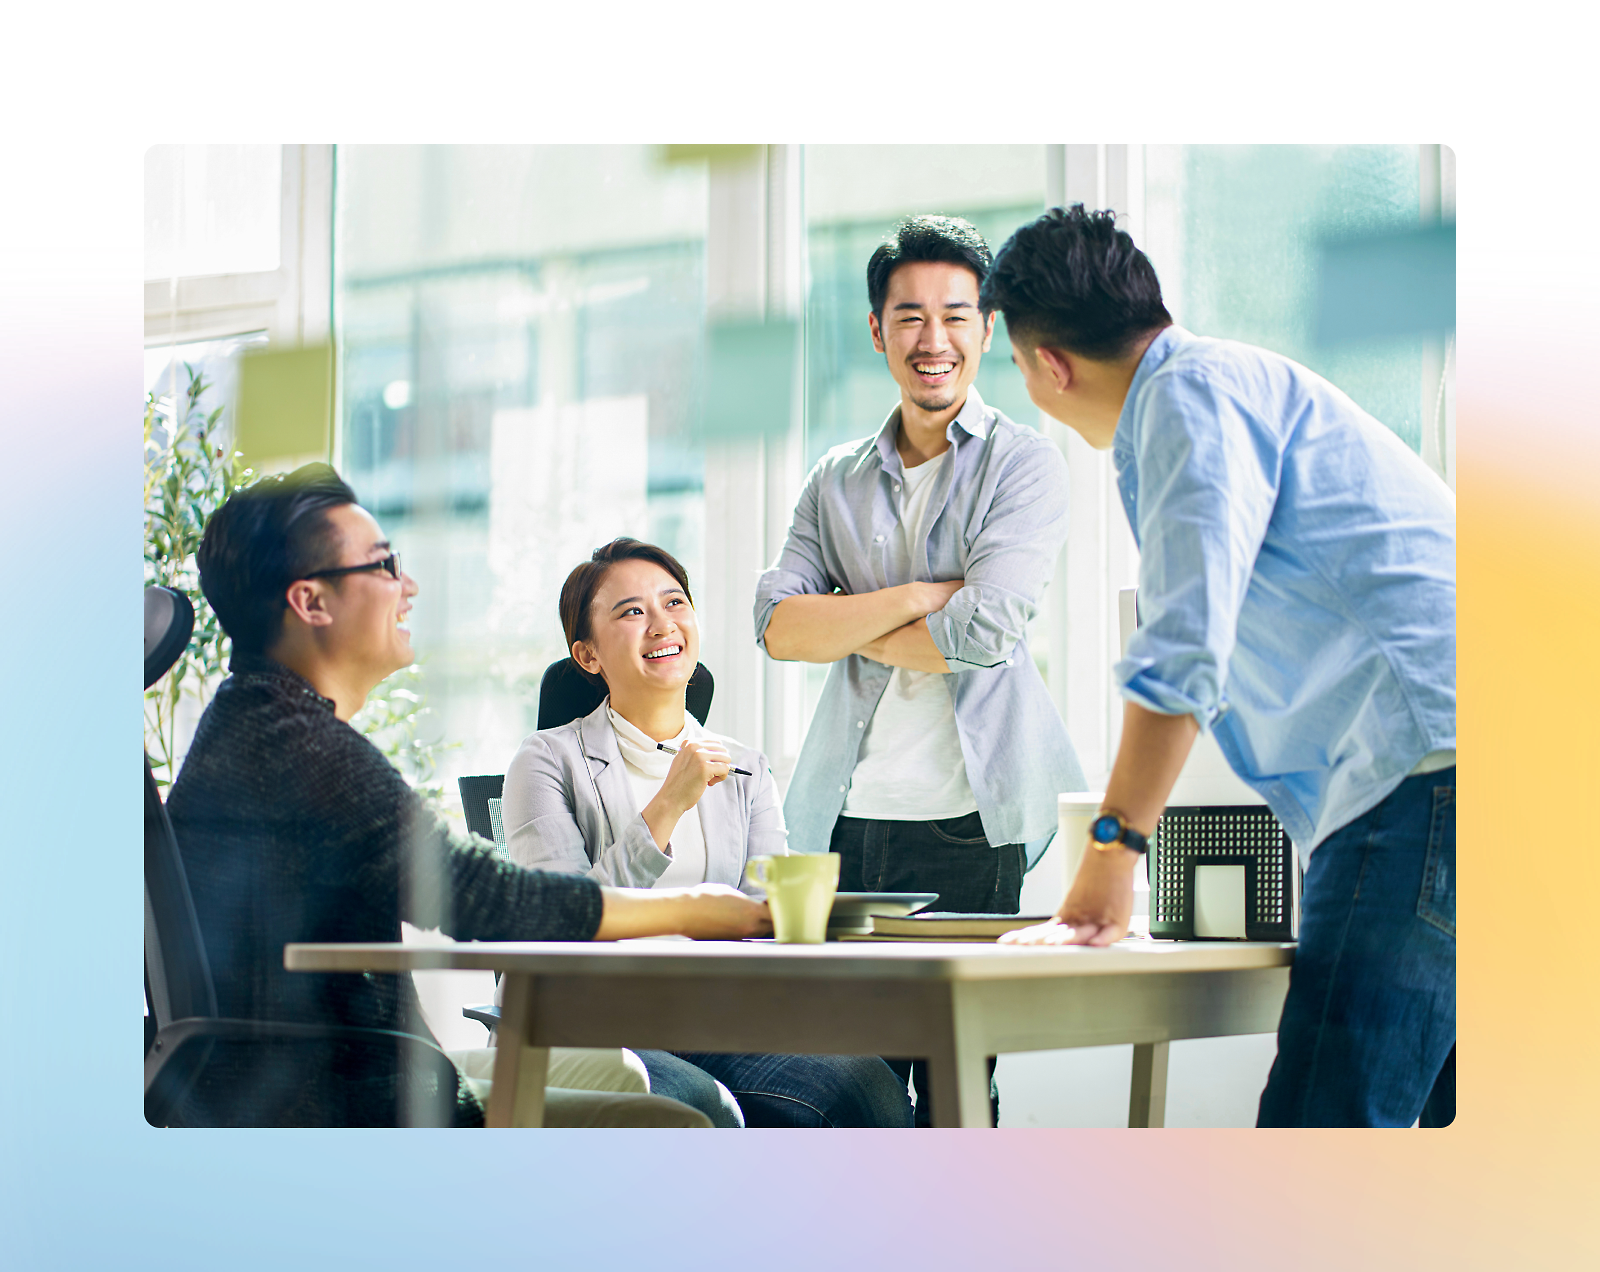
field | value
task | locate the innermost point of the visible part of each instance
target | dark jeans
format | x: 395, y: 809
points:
x: 951, y: 857
x: 781, y: 1091
x: 1369, y: 1027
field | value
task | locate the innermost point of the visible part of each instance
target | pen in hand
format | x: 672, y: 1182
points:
x: 672, y: 750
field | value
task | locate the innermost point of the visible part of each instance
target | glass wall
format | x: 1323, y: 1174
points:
x: 1234, y: 233
x: 523, y: 367
x: 522, y: 349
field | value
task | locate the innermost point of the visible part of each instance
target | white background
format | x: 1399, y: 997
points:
x: 1508, y: 98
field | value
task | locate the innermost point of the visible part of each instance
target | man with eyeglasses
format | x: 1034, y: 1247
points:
x: 294, y: 827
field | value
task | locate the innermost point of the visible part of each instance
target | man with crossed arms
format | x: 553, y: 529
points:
x: 915, y: 559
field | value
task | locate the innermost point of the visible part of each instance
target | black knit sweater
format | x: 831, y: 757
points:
x: 293, y: 827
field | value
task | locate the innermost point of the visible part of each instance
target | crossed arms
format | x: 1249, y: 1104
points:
x: 886, y: 626
x: 954, y: 625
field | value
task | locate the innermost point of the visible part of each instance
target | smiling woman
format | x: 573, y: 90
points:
x: 629, y: 620
x: 638, y: 794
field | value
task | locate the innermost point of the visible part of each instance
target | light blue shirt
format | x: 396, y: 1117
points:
x: 997, y: 519
x: 1297, y: 578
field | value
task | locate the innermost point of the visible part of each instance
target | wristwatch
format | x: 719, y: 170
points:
x: 1109, y: 831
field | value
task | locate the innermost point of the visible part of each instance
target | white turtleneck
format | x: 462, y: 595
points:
x: 647, y: 770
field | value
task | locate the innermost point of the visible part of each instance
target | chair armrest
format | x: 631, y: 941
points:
x: 486, y: 1014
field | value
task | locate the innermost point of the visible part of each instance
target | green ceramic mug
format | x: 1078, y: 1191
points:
x: 800, y: 889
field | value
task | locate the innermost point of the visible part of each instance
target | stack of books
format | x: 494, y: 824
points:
x: 937, y: 926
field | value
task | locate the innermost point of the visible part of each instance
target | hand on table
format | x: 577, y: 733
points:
x: 1098, y: 905
x: 716, y: 912
x: 707, y: 912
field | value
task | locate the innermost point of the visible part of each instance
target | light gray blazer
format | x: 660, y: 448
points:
x: 568, y: 805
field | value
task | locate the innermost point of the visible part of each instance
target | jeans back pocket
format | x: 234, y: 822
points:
x: 1436, y: 903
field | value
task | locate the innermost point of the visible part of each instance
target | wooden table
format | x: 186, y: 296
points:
x: 954, y: 1004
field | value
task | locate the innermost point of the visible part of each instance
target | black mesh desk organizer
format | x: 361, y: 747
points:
x: 1245, y: 835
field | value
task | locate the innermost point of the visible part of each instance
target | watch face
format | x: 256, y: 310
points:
x: 1106, y: 829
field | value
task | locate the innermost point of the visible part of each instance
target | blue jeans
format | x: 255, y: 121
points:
x: 786, y: 1091
x: 952, y: 857
x: 1368, y: 1031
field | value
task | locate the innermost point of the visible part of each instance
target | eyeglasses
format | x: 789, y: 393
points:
x: 389, y: 564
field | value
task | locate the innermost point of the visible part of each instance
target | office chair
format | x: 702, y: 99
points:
x: 566, y: 692
x: 205, y: 1070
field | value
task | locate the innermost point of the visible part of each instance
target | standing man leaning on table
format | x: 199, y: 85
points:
x: 914, y: 561
x: 294, y: 827
x: 1297, y: 598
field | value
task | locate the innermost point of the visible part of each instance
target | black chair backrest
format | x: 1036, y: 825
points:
x: 175, y: 963
x: 176, y: 969
x: 476, y: 792
x: 566, y: 693
x: 168, y: 624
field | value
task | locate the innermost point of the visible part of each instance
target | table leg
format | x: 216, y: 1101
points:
x: 1147, y: 1095
x: 958, y: 1071
x: 517, y: 1096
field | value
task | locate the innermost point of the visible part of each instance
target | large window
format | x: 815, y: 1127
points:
x: 522, y: 333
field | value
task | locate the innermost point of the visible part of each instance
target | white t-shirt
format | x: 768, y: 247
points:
x: 910, y: 767
x: 647, y: 770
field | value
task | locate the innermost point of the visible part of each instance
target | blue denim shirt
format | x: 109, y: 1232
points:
x: 1297, y: 578
x: 997, y: 519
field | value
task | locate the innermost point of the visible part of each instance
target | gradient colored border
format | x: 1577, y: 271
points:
x: 85, y: 1184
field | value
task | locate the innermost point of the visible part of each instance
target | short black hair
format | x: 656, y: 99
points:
x: 1071, y: 280
x: 947, y: 239
x: 264, y: 538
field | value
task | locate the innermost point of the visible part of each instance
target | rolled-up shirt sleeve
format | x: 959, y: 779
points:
x: 1208, y: 480
x: 799, y: 570
x: 542, y: 832
x: 1010, y: 563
